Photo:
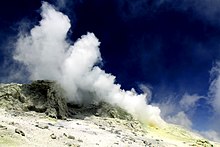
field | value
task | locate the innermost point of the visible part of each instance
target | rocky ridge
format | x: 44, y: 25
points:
x: 37, y: 114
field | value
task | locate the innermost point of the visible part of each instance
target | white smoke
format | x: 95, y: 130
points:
x: 180, y: 118
x: 47, y: 55
x: 176, y: 113
x: 43, y: 50
x: 211, y: 134
x: 214, y: 89
x: 188, y: 101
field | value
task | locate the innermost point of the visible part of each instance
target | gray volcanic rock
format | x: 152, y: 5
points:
x: 101, y: 109
x: 48, y: 97
x: 107, y: 110
x: 39, y: 96
x: 11, y: 97
x: 27, y: 123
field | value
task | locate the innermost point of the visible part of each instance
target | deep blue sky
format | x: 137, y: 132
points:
x: 166, y: 47
x: 170, y: 49
x: 169, y: 46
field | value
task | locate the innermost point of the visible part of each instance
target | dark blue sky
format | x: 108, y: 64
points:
x: 170, y: 49
x: 164, y: 47
x: 156, y: 44
x: 169, y: 45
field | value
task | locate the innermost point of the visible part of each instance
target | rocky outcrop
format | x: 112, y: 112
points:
x: 102, y: 109
x: 40, y: 96
x: 86, y: 125
x: 107, y: 110
x: 11, y: 97
x: 48, y: 97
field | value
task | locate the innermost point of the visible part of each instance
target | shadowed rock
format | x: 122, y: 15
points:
x: 101, y: 109
x: 40, y: 96
x: 48, y: 97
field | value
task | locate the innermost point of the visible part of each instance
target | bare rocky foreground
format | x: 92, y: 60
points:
x: 37, y: 115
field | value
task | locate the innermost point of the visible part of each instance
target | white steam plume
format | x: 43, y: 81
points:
x: 48, y: 55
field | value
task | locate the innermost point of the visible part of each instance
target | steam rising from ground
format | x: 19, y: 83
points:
x: 47, y: 55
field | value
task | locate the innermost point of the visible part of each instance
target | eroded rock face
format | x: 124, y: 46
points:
x: 11, y: 96
x: 48, y: 97
x: 101, y: 109
x: 107, y: 110
x: 40, y: 96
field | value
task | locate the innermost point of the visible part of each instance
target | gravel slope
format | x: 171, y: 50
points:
x: 25, y: 129
x: 37, y: 115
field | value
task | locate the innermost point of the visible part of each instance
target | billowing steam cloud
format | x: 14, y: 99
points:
x: 47, y: 55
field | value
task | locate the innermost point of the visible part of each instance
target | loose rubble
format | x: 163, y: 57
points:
x: 19, y: 132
